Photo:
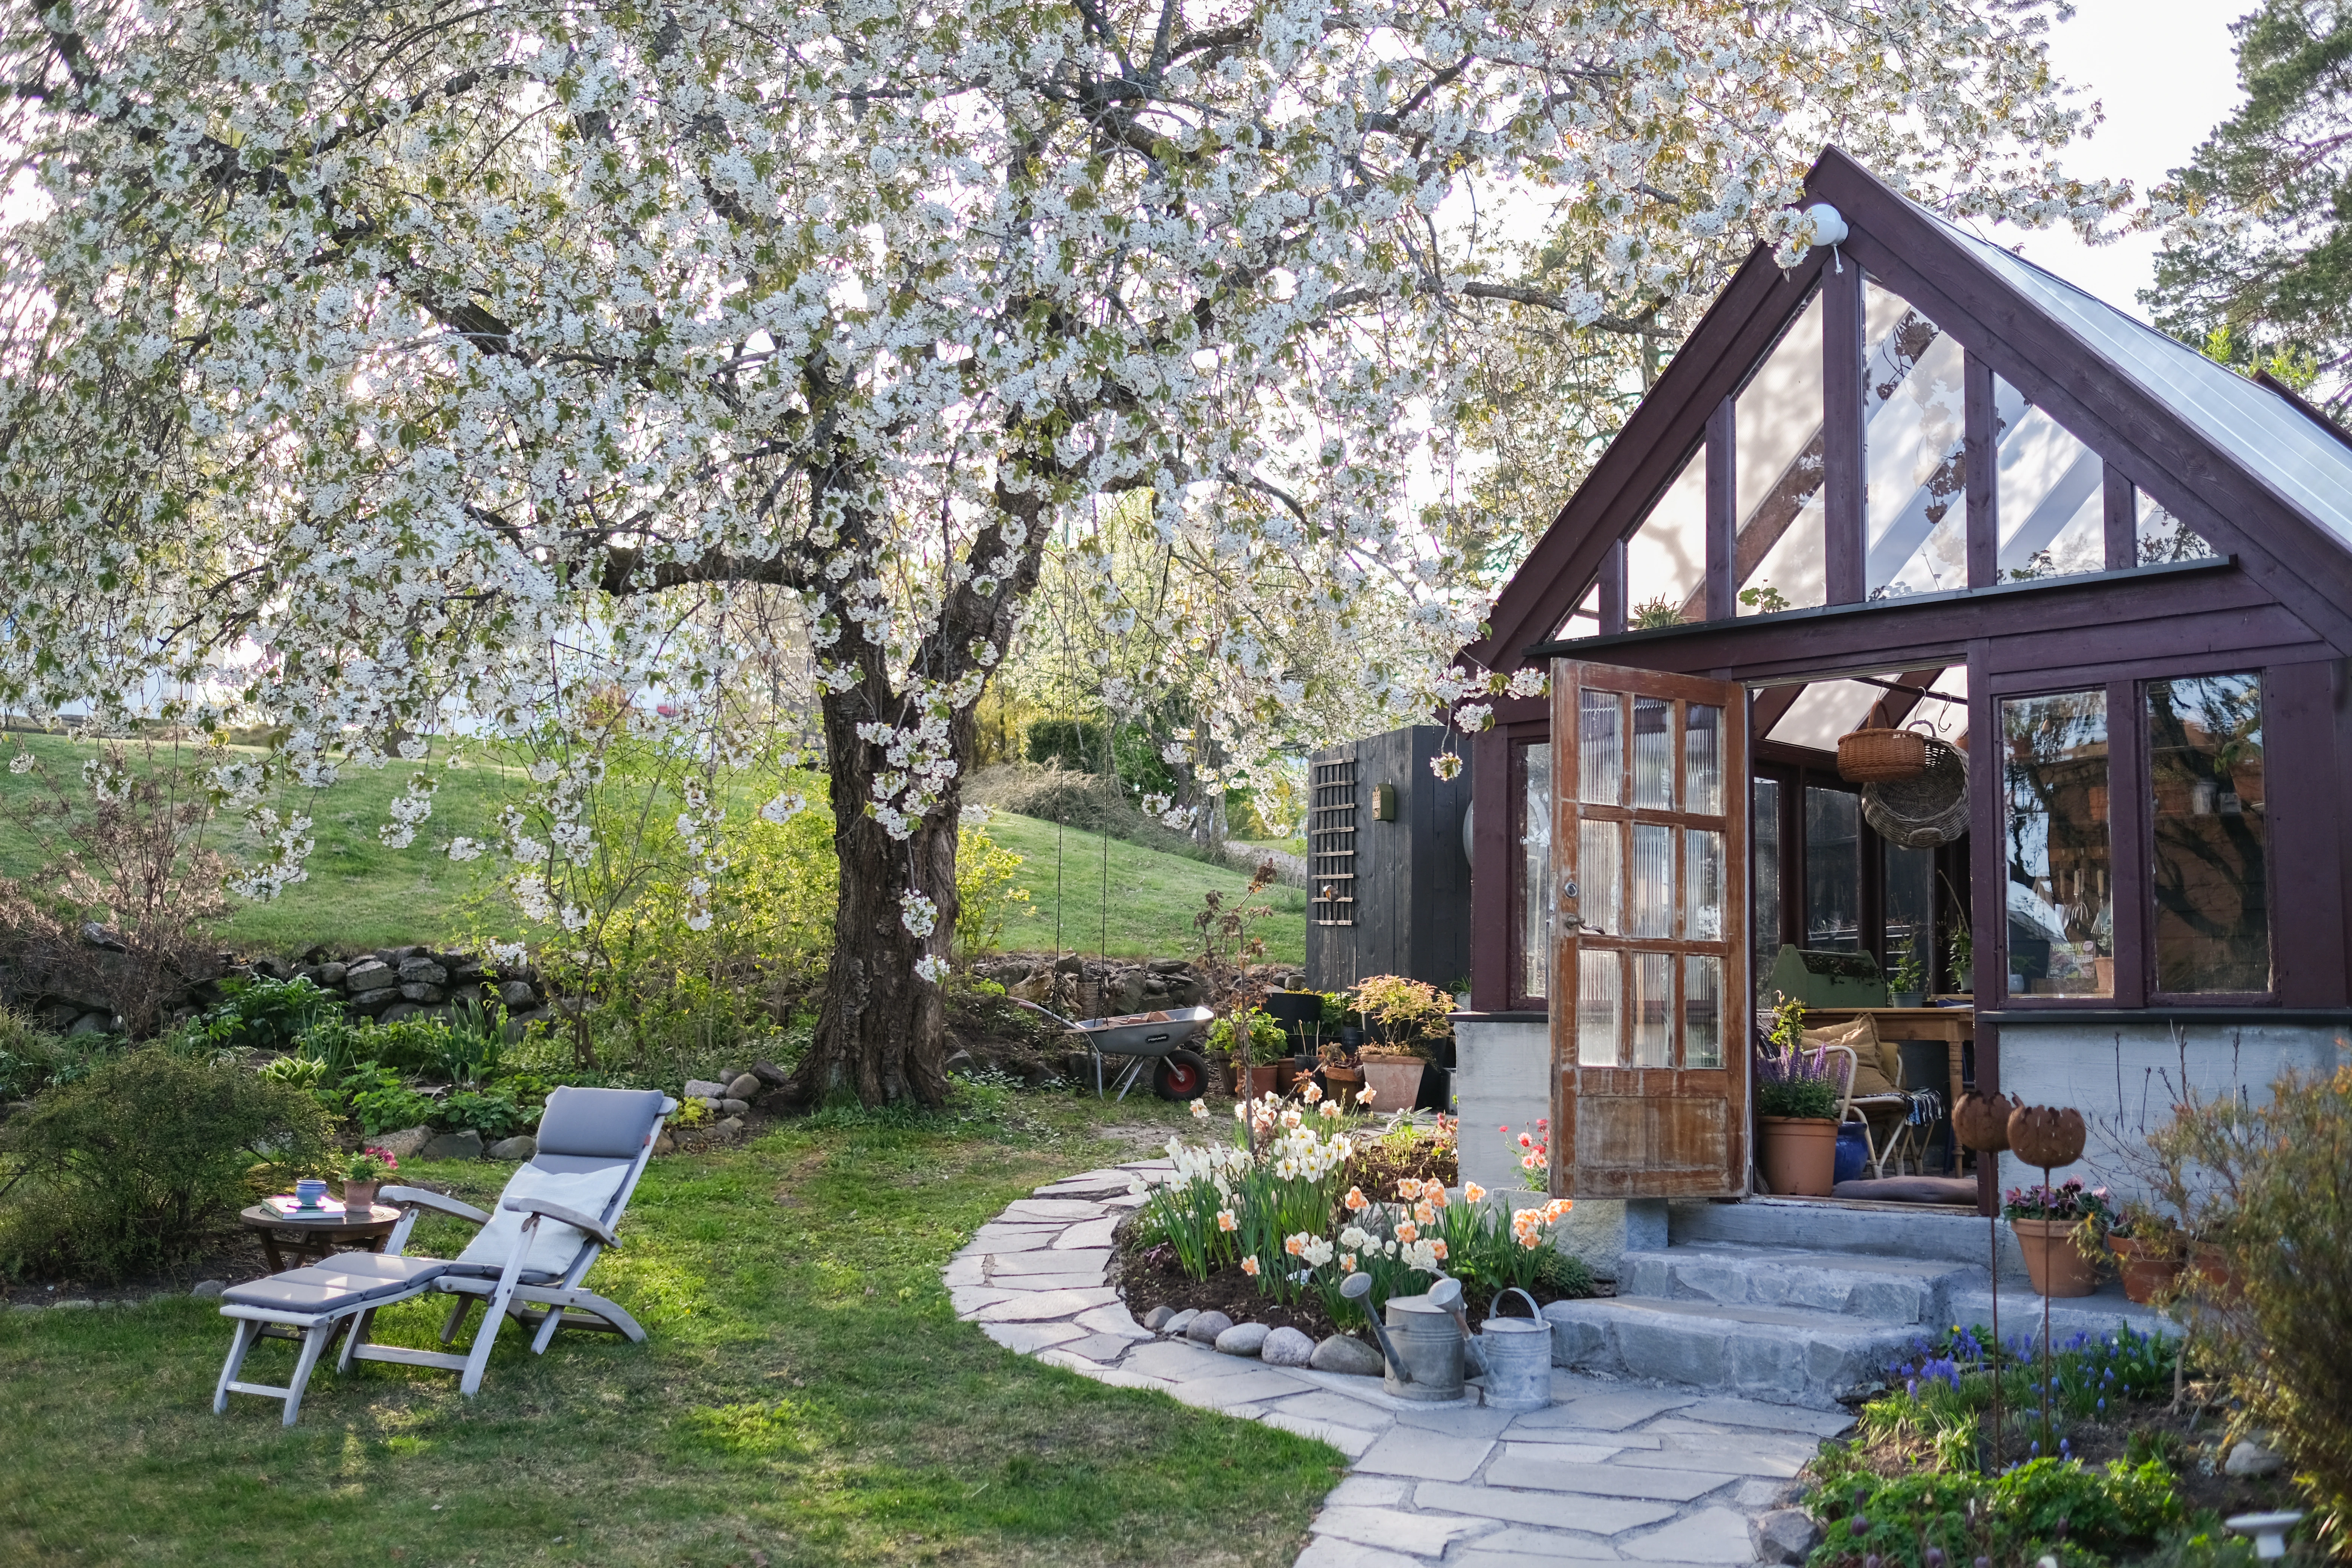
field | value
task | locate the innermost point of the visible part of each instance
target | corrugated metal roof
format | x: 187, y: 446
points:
x: 2276, y: 442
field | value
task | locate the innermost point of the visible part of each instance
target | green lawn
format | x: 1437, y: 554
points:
x: 1153, y: 896
x: 362, y: 894
x: 806, y: 1398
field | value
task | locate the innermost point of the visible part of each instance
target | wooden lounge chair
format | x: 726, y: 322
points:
x: 557, y: 1214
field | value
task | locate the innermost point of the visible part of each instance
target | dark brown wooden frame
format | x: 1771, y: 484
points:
x: 1689, y: 1093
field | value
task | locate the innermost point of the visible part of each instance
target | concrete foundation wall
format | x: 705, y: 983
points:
x: 2125, y: 1078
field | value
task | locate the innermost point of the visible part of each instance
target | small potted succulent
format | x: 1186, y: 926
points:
x: 2046, y: 1221
x: 362, y: 1172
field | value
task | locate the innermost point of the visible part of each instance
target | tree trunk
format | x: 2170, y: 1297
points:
x: 881, y: 1029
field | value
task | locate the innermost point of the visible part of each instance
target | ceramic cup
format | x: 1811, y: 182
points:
x: 309, y: 1191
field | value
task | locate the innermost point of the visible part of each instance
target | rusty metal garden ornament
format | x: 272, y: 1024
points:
x: 2049, y: 1136
x: 1980, y: 1121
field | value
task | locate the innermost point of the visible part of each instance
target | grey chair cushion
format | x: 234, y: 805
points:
x: 611, y: 1123
x: 349, y: 1280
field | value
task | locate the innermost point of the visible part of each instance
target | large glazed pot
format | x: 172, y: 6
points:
x: 1799, y: 1154
x: 1395, y: 1081
x: 2055, y: 1264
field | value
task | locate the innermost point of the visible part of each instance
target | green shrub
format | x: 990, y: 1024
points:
x: 259, y: 1015
x: 493, y: 1115
x: 381, y: 1102
x: 29, y: 1055
x: 135, y: 1164
x: 2021, y: 1514
x: 2273, y: 1186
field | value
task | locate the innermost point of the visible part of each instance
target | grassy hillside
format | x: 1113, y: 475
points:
x: 362, y: 894
x: 1153, y: 896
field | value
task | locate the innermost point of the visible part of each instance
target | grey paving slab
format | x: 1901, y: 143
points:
x: 1114, y: 1318
x: 1520, y: 1432
x: 1033, y: 1306
x: 1102, y: 1348
x: 1519, y: 1547
x: 1027, y: 1338
x: 1349, y: 1440
x: 1555, y: 1510
x: 1322, y: 1404
x: 1054, y: 1208
x: 1087, y: 1233
x: 969, y: 1299
x: 1454, y: 1421
x: 1727, y: 1459
x: 1252, y: 1386
x: 1051, y: 1261
x: 1018, y: 1282
x: 1771, y: 1417
x: 1525, y: 1466
x: 1417, y: 1534
x: 1430, y: 1455
x: 1179, y: 1361
x: 1371, y: 1491
x: 1607, y: 1408
x: 1710, y: 1535
x: 964, y: 1271
x: 1330, y: 1552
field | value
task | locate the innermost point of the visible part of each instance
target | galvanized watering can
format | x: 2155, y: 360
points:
x: 1420, y: 1339
x: 1517, y: 1354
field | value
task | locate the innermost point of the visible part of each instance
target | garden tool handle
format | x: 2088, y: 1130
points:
x: 1495, y: 1308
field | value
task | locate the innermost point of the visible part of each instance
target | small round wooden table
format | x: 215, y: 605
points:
x: 312, y: 1240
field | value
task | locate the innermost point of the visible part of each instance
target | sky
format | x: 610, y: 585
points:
x: 2165, y: 74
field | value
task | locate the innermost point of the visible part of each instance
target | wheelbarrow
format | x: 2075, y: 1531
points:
x: 1157, y: 1040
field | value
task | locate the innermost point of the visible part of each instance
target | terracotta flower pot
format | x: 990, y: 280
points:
x: 1343, y: 1083
x: 357, y: 1196
x: 2212, y: 1268
x: 1262, y: 1081
x: 1799, y: 1154
x: 2147, y: 1271
x: 1395, y: 1082
x: 2055, y: 1264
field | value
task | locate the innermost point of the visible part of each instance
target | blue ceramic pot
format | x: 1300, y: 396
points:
x: 1853, y: 1151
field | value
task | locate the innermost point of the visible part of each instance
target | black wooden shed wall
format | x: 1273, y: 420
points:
x: 1412, y: 914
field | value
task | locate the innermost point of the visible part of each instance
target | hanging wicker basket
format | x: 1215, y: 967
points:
x: 1924, y: 811
x: 1882, y: 753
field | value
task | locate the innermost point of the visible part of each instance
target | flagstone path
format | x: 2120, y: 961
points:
x: 1613, y: 1471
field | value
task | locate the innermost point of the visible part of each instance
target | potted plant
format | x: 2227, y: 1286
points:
x: 1404, y: 1015
x: 2148, y: 1252
x: 362, y: 1172
x: 1908, y: 984
x: 2045, y: 1220
x: 1796, y: 1114
x: 1256, y: 1061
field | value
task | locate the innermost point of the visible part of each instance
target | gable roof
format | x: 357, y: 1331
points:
x: 2243, y: 466
x: 2309, y: 468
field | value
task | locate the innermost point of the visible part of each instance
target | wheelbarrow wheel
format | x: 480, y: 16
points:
x: 1181, y: 1074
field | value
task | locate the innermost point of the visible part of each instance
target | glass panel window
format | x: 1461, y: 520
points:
x: 1764, y: 877
x: 1833, y: 871
x: 1702, y: 759
x: 1532, y: 764
x: 1600, y: 873
x: 1908, y: 900
x: 2061, y: 895
x: 1654, y: 1009
x: 2211, y: 875
x: 1701, y: 885
x: 1915, y: 463
x: 1600, y: 1001
x: 1665, y: 560
x: 1650, y: 902
x: 2052, y: 494
x: 1778, y: 461
x: 2164, y: 537
x: 1702, y: 1011
x: 1600, y: 748
x: 1654, y: 752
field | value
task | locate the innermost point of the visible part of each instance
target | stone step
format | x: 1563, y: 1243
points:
x: 2098, y: 1313
x: 1808, y: 1225
x: 1777, y: 1355
x: 1894, y: 1291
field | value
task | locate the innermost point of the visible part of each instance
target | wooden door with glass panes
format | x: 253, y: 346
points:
x: 1650, y: 1008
